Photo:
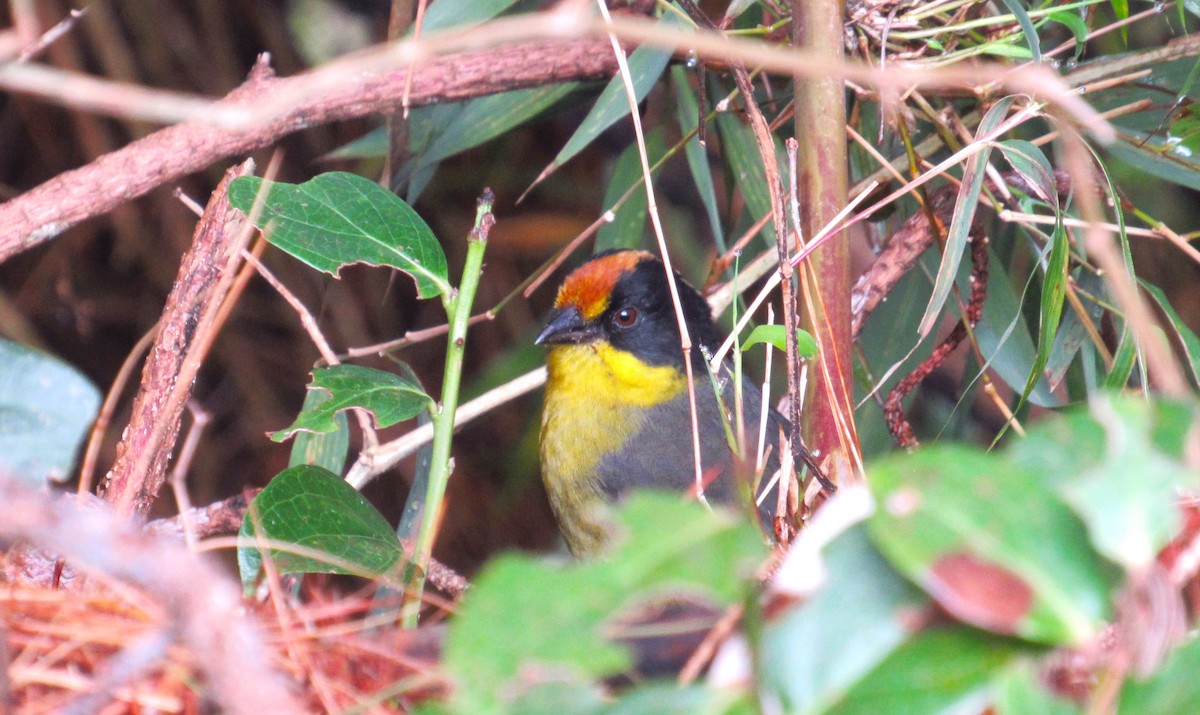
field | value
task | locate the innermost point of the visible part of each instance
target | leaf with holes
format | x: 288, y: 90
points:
x: 338, y: 219
x: 992, y: 543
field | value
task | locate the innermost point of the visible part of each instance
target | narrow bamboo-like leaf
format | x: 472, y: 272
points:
x: 389, y: 397
x: 46, y: 408
x: 1031, y: 36
x: 1073, y: 333
x: 1032, y: 164
x: 646, y: 65
x: 1054, y: 293
x: 1123, y: 361
x: 629, y: 226
x: 1076, y: 25
x: 327, y: 450
x: 964, y: 212
x: 315, y: 509
x: 1149, y: 154
x: 461, y: 126
x: 486, y: 118
x: 337, y: 219
x: 1187, y: 338
x: 776, y: 335
x: 1004, y: 338
x: 461, y: 15
x: 745, y: 163
x: 687, y: 111
x: 1121, y: 13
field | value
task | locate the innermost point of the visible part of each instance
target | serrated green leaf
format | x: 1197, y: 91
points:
x: 668, y: 545
x: 777, y: 335
x: 46, y: 408
x: 389, y: 397
x: 338, y: 219
x: 315, y: 509
x: 991, y: 542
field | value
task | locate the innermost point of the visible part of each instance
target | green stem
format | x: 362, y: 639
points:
x: 458, y: 311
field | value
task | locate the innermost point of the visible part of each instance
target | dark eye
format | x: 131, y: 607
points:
x: 625, y: 317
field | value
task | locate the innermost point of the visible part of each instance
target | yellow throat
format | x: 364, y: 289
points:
x: 596, y: 398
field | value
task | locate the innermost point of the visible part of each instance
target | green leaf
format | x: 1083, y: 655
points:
x: 327, y: 450
x: 777, y: 335
x: 991, y: 543
x: 629, y: 226
x: 941, y: 670
x: 527, y: 620
x: 315, y: 509
x: 461, y: 15
x: 687, y: 111
x: 1187, y: 338
x: 741, y: 151
x: 46, y: 409
x: 808, y: 662
x: 646, y: 65
x: 964, y: 212
x: 338, y: 219
x: 1004, y: 338
x: 1173, y: 690
x: 1020, y: 691
x: 1116, y: 474
x: 1150, y: 155
x: 1027, y: 29
x: 1076, y: 25
x: 389, y: 397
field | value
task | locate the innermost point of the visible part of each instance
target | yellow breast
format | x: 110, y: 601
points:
x: 596, y: 398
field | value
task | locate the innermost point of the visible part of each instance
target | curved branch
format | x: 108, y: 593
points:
x: 132, y: 171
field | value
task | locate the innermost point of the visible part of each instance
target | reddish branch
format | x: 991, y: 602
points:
x: 185, y: 332
x: 120, y: 176
x: 893, y: 409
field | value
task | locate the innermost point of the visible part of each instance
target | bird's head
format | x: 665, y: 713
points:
x: 621, y: 300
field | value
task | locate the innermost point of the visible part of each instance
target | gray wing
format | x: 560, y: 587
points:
x: 661, y: 453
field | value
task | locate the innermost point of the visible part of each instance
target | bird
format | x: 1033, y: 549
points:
x: 616, y: 409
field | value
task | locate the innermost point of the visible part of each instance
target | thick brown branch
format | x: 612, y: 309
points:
x: 120, y: 176
x: 185, y: 332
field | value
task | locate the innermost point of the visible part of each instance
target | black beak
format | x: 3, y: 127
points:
x: 567, y: 327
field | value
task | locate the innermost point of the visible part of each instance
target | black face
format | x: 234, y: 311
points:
x: 640, y: 317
